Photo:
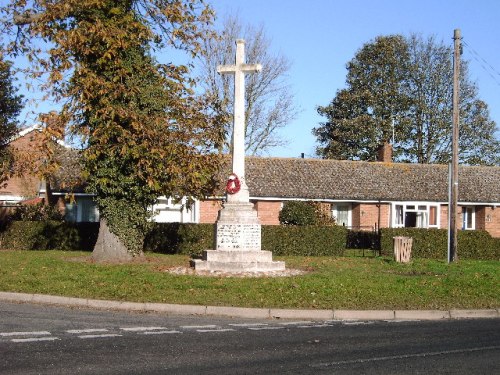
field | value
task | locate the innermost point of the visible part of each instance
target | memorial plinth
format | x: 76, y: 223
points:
x: 238, y: 245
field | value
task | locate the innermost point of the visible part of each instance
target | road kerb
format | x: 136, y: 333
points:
x: 363, y: 314
x: 301, y: 314
x: 240, y: 312
x: 473, y: 314
x: 421, y: 314
x: 176, y: 309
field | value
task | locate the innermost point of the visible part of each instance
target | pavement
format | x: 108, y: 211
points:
x: 250, y: 313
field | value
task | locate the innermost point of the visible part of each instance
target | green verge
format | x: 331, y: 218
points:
x: 331, y: 282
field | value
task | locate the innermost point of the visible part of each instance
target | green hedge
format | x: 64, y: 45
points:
x: 175, y: 238
x: 433, y: 243
x: 48, y: 235
x: 304, y: 240
x: 192, y: 239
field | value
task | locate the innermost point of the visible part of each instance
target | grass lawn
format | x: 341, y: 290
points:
x: 330, y: 283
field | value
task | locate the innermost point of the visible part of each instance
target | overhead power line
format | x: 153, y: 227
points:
x: 487, y: 67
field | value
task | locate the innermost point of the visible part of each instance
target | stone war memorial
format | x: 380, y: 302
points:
x: 238, y: 230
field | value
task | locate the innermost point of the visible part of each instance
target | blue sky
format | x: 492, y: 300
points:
x: 321, y: 36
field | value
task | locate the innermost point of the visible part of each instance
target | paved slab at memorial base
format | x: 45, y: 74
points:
x: 238, y: 261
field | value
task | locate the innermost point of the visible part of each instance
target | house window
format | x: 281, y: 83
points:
x: 82, y: 210
x: 468, y: 216
x: 415, y: 215
x: 71, y: 212
x: 342, y: 214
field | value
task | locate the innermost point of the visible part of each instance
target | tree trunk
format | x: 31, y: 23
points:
x: 109, y: 248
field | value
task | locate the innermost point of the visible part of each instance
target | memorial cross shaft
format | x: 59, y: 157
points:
x: 239, y: 69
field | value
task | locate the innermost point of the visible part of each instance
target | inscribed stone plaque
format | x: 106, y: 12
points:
x: 238, y: 236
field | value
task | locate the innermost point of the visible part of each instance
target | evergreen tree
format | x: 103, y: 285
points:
x: 403, y: 87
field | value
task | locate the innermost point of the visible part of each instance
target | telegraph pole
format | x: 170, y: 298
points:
x: 453, y: 204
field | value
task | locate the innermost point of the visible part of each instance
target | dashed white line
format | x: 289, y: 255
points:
x: 99, y: 336
x: 32, y: 333
x: 264, y: 328
x: 159, y: 332
x: 315, y: 326
x: 214, y: 330
x: 295, y: 323
x: 88, y: 330
x: 200, y: 327
x: 35, y: 339
x: 142, y: 329
x: 248, y: 324
x: 355, y: 323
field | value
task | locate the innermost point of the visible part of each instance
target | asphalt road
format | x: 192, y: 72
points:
x: 37, y: 339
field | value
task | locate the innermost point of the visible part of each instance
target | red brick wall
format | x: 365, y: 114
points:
x: 209, y: 211
x: 26, y: 186
x: 492, y: 220
x: 369, y: 215
x: 268, y: 212
x: 356, y: 215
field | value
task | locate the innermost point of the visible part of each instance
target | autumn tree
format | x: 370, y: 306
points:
x: 269, y: 103
x: 402, y: 88
x: 144, y: 132
x: 10, y: 107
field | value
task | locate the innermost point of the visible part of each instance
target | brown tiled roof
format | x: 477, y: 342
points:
x: 366, y: 181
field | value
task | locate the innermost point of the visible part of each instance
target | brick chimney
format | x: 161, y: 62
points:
x: 384, y: 153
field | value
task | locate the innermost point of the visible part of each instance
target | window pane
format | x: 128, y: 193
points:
x: 71, y: 212
x: 469, y: 218
x: 399, y: 215
x: 343, y: 215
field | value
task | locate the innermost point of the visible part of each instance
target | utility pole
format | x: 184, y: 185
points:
x: 453, y: 204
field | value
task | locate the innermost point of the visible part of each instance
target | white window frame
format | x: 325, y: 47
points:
x: 468, y: 211
x: 335, y: 212
x: 421, y: 209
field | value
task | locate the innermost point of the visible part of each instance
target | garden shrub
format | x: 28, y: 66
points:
x: 433, y: 243
x: 297, y: 213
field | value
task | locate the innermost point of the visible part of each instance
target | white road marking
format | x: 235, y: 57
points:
x: 89, y: 330
x: 199, y: 327
x: 99, y: 336
x: 34, y: 339
x: 159, y: 332
x: 142, y: 329
x: 404, y: 356
x: 315, y: 326
x: 248, y: 324
x: 214, y: 330
x: 264, y: 328
x: 295, y: 323
x: 401, y: 320
x: 32, y: 333
x: 355, y: 323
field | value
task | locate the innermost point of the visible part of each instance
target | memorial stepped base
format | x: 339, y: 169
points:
x: 238, y: 261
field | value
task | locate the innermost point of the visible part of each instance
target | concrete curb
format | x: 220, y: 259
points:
x: 251, y: 313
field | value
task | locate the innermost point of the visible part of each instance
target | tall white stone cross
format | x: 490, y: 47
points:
x: 238, y: 231
x: 239, y: 69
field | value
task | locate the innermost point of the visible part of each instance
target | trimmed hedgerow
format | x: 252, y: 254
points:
x: 48, y: 235
x: 304, y: 240
x: 192, y: 239
x: 433, y: 243
x: 176, y: 238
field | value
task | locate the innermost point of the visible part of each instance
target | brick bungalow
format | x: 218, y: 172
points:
x: 362, y: 195
x: 370, y: 195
